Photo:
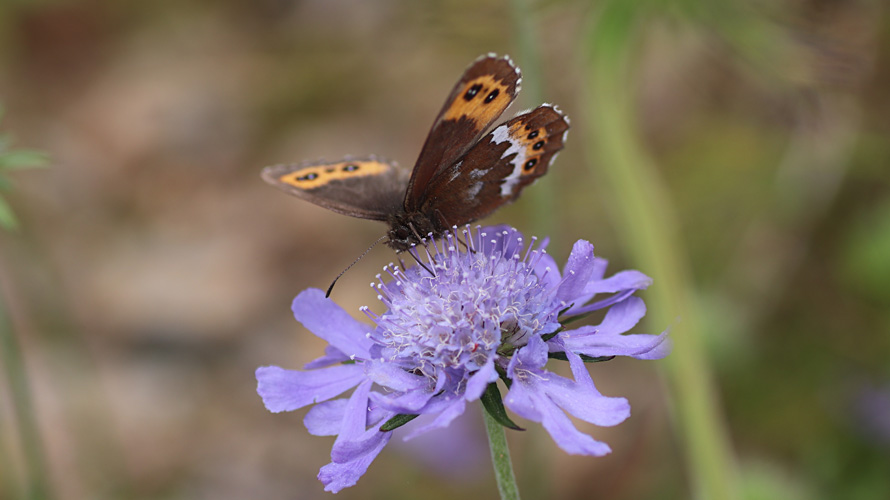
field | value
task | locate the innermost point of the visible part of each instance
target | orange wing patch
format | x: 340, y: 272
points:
x: 534, y: 141
x: 320, y: 175
x: 528, y: 143
x: 481, y: 99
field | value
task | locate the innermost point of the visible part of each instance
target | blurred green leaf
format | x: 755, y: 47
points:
x: 7, y: 218
x: 767, y: 481
x: 23, y: 159
x: 19, y: 159
x: 865, y: 264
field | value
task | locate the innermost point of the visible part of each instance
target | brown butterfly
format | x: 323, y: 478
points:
x: 458, y: 177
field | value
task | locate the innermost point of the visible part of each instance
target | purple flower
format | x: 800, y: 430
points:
x: 477, y: 308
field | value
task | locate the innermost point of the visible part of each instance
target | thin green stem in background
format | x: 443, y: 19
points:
x: 11, y: 357
x: 36, y: 487
x: 527, y: 50
x: 648, y: 226
x: 540, y: 199
x: 500, y: 457
x: 539, y: 202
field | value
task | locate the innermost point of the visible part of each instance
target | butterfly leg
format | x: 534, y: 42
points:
x: 411, y: 252
x: 444, y: 222
x: 414, y: 230
x: 425, y: 247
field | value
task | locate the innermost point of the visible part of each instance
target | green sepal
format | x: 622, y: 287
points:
x: 502, y: 373
x: 397, y: 421
x: 494, y: 405
x: 573, y: 318
x: 585, y: 358
x: 548, y: 336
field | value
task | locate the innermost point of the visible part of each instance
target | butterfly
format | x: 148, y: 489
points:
x: 460, y: 176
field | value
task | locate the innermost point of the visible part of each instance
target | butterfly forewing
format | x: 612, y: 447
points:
x: 484, y: 91
x: 368, y: 188
x: 498, y: 167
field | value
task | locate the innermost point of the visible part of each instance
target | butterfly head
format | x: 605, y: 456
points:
x: 409, y: 228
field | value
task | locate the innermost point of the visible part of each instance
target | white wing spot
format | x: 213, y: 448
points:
x: 455, y: 171
x: 498, y: 136
x: 473, y: 191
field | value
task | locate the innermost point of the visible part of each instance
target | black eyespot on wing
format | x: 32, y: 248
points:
x: 538, y: 145
x: 490, y: 97
x: 533, y: 134
x: 350, y: 168
x: 472, y: 91
x: 530, y: 164
x: 308, y: 177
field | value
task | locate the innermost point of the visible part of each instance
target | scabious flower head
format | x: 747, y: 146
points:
x: 479, y: 306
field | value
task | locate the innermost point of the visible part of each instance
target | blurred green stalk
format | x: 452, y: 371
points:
x: 648, y: 226
x: 539, y: 200
x: 36, y: 487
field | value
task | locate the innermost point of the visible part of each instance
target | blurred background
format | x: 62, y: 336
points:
x: 736, y: 151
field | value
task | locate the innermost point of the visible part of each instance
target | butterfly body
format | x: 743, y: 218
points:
x: 405, y: 227
x: 459, y: 177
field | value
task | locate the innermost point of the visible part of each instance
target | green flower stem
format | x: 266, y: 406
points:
x: 648, y: 226
x: 500, y: 457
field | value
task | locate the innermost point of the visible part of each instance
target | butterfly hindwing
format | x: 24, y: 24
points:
x: 368, y: 188
x: 484, y: 91
x: 495, y: 170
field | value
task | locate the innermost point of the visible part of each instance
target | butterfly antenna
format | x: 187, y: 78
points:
x: 331, y: 288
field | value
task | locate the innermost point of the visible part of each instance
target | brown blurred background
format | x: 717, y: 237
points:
x: 153, y: 270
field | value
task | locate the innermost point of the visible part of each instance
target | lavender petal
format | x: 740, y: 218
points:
x: 328, y: 321
x: 286, y: 390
